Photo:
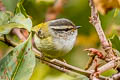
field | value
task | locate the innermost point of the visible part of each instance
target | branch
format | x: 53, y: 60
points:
x: 108, y: 66
x: 76, y: 69
x: 93, y: 54
x: 7, y: 41
x: 115, y: 77
x: 95, y: 21
x: 61, y: 68
x: 17, y: 31
x: 68, y: 69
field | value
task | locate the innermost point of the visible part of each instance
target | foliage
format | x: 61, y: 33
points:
x: 103, y: 8
x: 115, y: 42
x: 19, y: 63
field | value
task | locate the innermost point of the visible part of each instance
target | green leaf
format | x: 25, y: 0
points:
x: 19, y: 63
x: 115, y: 42
x: 4, y: 17
x: 21, y: 19
x: 21, y: 16
x: 109, y: 72
x: 116, y: 12
x: 18, y: 21
x: 10, y: 5
x: 6, y: 28
x: 20, y: 9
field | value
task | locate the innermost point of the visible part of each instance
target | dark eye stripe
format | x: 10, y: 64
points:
x: 66, y: 29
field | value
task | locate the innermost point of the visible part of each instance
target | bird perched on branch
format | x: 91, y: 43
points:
x: 55, y: 38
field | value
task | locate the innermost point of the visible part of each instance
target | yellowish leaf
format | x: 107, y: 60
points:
x: 103, y: 6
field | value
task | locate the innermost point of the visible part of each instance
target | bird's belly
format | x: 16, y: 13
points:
x: 64, y: 45
x: 54, y: 47
x: 47, y: 47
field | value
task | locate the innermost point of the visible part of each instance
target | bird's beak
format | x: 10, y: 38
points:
x: 77, y: 27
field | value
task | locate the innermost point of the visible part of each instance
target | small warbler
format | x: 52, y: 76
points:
x: 55, y: 38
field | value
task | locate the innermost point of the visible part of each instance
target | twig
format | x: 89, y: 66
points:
x: 115, y: 77
x: 95, y: 78
x: 19, y: 34
x: 90, y: 62
x: 93, y: 53
x: 7, y: 41
x: 95, y: 21
x: 60, y: 68
x: 69, y: 69
x: 78, y: 70
x: 109, y: 65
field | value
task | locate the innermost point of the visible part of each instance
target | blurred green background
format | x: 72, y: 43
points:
x: 77, y: 11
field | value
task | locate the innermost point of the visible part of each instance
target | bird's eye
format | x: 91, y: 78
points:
x: 39, y: 32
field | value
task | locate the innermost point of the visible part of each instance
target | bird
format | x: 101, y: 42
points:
x: 55, y: 38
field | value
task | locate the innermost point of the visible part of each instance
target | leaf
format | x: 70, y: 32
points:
x: 21, y: 16
x: 6, y: 28
x: 26, y: 68
x: 20, y: 9
x: 115, y: 42
x: 19, y: 63
x: 116, y: 12
x: 10, y: 5
x: 18, y: 21
x: 109, y: 72
x: 4, y: 17
x: 104, y: 6
x: 21, y: 19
